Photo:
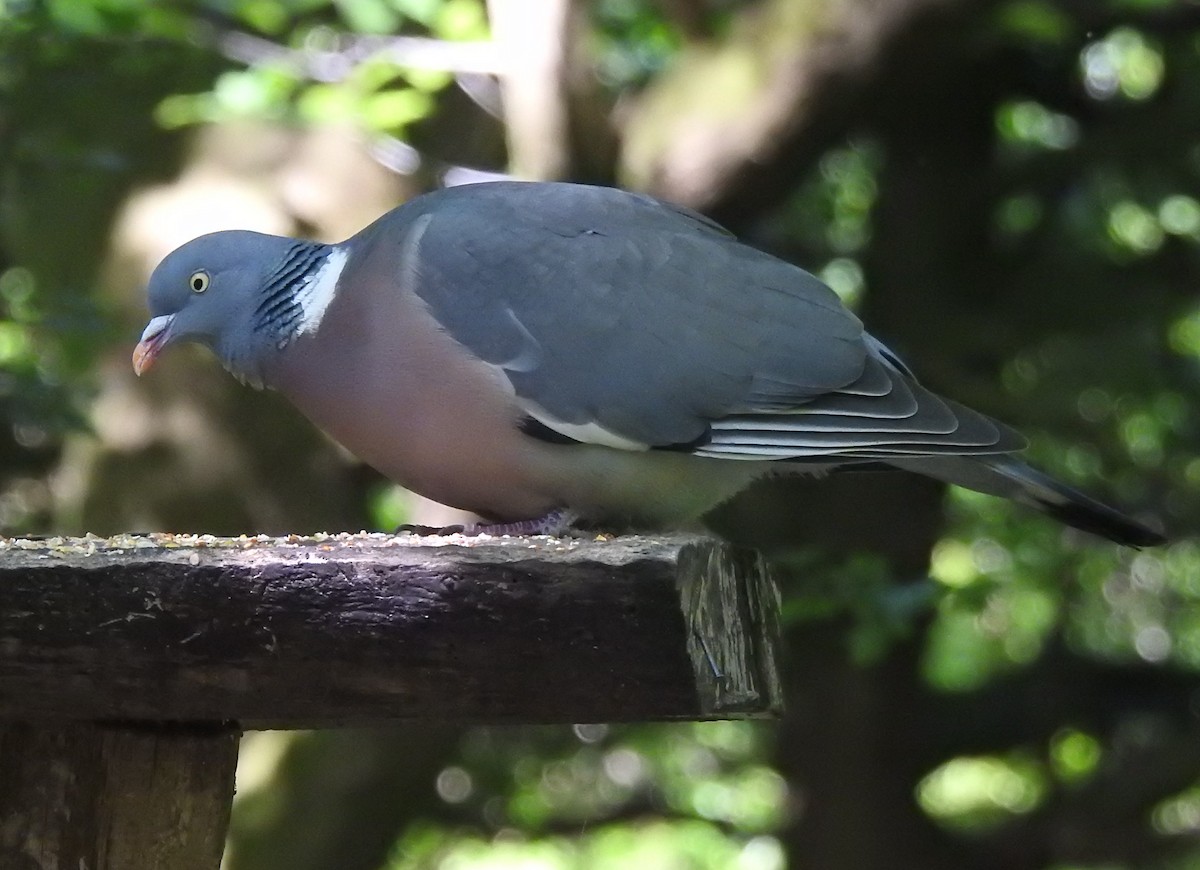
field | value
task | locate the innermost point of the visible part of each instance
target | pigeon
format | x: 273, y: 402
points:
x: 550, y: 354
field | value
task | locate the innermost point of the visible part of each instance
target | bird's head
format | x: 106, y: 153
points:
x: 241, y: 294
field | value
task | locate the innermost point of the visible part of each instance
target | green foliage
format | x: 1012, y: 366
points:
x: 681, y: 844
x: 832, y: 212
x: 632, y: 42
x: 862, y: 588
x: 1122, y: 64
x: 75, y: 123
x: 1033, y: 21
x: 977, y: 794
x: 718, y: 803
x: 1002, y: 601
x: 37, y: 404
x: 345, y: 71
x: 388, y: 507
x: 1033, y: 125
x: 1074, y: 756
x: 310, y: 61
x: 829, y: 217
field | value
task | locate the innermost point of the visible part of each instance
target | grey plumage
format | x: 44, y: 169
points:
x: 674, y: 364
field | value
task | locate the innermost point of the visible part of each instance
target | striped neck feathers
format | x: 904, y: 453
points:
x: 296, y: 295
x: 293, y: 301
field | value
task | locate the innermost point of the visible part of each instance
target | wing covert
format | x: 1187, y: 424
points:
x: 608, y: 308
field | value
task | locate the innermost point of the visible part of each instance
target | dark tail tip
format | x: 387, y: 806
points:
x: 1074, y: 508
x: 1084, y: 513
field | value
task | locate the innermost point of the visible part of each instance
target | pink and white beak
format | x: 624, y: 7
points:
x: 154, y: 338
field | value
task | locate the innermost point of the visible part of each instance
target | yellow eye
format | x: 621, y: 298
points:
x: 198, y: 282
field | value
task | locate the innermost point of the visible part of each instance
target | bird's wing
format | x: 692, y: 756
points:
x: 625, y: 321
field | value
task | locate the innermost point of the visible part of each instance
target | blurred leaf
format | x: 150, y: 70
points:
x: 1074, y: 755
x: 424, y: 11
x: 1123, y: 63
x: 982, y: 792
x: 632, y: 41
x: 1179, y: 814
x: 389, y: 507
x: 1185, y: 334
x: 1031, y: 123
x: 369, y: 16
x: 1036, y: 21
x: 394, y: 110
x: 693, y: 845
x: 459, y: 20
x: 327, y: 104
x: 265, y: 16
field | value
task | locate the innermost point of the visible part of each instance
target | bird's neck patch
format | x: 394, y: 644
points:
x: 318, y: 289
x: 297, y: 294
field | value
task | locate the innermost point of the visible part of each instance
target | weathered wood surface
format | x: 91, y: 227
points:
x: 292, y: 633
x: 114, y: 797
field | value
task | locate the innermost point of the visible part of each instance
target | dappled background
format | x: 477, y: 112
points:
x: 1007, y: 192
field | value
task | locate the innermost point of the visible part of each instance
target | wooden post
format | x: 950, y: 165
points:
x: 128, y: 665
x: 114, y: 797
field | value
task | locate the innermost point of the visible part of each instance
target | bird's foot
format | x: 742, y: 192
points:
x: 556, y: 522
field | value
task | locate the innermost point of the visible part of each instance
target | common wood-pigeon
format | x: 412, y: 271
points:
x: 541, y: 353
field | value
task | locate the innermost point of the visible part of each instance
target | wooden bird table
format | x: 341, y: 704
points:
x: 129, y: 666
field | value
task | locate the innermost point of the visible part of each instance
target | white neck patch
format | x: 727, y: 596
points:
x: 317, y: 291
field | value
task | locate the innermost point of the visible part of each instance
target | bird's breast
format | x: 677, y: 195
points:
x: 384, y: 380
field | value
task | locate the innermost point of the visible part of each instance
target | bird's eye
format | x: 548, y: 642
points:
x: 199, y: 282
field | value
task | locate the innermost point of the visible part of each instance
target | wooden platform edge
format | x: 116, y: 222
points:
x: 366, y: 629
x: 731, y: 602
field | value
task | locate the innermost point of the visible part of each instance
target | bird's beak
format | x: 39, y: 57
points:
x: 154, y: 338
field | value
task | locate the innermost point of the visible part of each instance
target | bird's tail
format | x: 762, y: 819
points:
x: 1009, y: 477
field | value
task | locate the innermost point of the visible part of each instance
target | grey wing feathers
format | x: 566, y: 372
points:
x: 643, y: 319
x: 906, y: 420
x: 612, y: 309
